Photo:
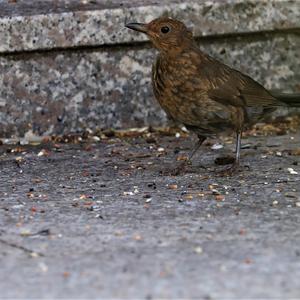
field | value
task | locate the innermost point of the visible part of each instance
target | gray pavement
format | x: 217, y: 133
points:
x: 99, y: 220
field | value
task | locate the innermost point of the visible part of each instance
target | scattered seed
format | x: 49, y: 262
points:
x: 242, y: 231
x: 248, y: 261
x: 138, y: 237
x: 173, y: 186
x: 182, y: 158
x: 43, y: 152
x: 215, y: 192
x: 220, y: 198
x: 25, y: 232
x: 66, y: 274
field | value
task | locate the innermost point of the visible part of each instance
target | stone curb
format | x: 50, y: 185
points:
x: 106, y: 26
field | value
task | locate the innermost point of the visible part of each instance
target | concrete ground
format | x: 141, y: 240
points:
x: 97, y: 219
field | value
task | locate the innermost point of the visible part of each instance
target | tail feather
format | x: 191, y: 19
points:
x: 292, y: 100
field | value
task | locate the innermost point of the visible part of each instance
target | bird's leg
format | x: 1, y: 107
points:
x: 238, y: 148
x: 196, y: 147
x: 234, y: 167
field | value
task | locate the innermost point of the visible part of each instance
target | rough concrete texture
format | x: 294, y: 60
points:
x: 97, y: 220
x: 65, y: 25
x: 64, y: 91
x: 42, y: 7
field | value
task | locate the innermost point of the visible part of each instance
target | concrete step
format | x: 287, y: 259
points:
x: 71, y: 65
x: 37, y: 25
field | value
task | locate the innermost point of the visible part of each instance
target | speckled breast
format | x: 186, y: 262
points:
x: 185, y: 99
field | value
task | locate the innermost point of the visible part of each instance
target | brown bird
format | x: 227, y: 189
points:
x: 202, y: 93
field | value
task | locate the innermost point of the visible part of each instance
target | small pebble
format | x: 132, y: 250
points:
x: 34, y: 254
x: 96, y: 138
x: 198, y: 250
x: 128, y: 193
x: 43, y: 267
x: 217, y: 146
x: 292, y: 171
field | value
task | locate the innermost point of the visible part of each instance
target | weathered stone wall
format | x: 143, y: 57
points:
x: 106, y: 82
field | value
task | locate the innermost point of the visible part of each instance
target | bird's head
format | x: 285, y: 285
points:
x: 167, y: 35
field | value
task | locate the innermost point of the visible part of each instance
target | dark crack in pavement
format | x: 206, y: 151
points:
x: 97, y: 219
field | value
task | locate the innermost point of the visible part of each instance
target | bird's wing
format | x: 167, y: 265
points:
x: 229, y: 86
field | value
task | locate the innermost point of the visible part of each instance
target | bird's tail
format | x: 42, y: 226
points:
x: 292, y: 100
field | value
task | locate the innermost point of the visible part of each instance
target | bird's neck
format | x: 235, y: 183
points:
x: 189, y: 50
x: 173, y: 47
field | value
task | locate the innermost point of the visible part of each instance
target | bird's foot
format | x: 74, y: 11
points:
x: 180, y: 169
x: 233, y: 169
x: 175, y: 171
x: 224, y: 160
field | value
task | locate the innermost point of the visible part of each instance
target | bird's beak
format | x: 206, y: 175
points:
x: 137, y: 27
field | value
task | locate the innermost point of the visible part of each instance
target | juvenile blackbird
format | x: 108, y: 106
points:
x: 202, y: 93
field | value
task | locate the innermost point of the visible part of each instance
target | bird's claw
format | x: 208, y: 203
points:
x: 179, y: 170
x: 232, y: 170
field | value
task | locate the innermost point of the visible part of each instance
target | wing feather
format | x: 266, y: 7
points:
x: 229, y: 86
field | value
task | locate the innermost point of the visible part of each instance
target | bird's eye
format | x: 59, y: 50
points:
x: 165, y: 29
